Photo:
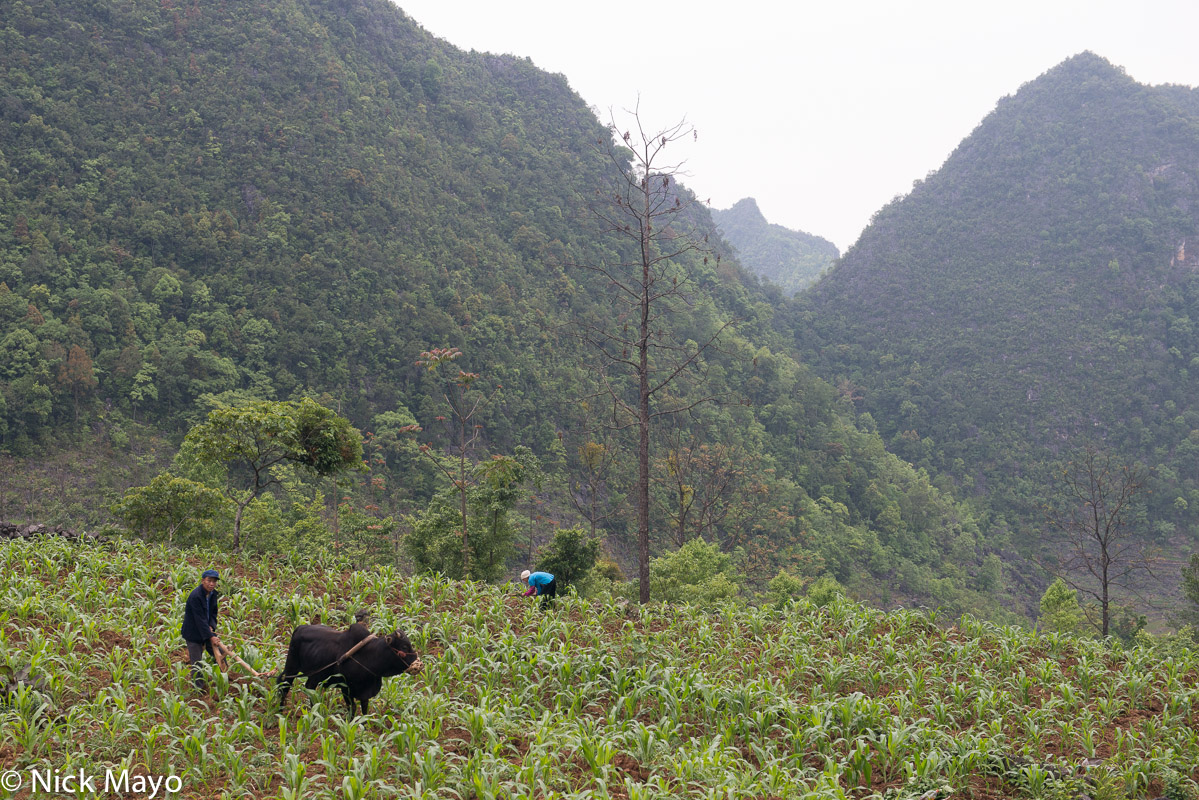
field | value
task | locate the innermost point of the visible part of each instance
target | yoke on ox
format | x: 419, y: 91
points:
x: 354, y: 659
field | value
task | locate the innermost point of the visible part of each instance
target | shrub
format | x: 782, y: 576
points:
x: 569, y: 556
x: 825, y: 590
x: 697, y: 572
x: 783, y: 588
x: 1060, y: 611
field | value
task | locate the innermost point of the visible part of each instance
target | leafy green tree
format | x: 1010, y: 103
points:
x: 990, y: 574
x: 1060, y: 610
x: 697, y: 572
x: 144, y: 388
x: 247, y: 444
x: 570, y: 555
x: 19, y: 354
x: 499, y: 490
x: 435, y: 541
x: 30, y: 402
x: 398, y: 472
x: 170, y: 505
x: 367, y: 539
x: 12, y: 305
x: 326, y: 442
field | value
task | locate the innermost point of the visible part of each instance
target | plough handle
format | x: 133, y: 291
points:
x: 226, y: 651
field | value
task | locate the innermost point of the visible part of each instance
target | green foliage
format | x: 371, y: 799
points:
x: 249, y: 439
x: 825, y: 590
x: 326, y: 443
x: 435, y: 541
x: 250, y: 446
x: 365, y: 539
x: 258, y: 436
x: 783, y: 588
x: 1060, y: 611
x: 569, y: 556
x: 1126, y: 622
x: 170, y: 508
x: 1177, y: 786
x: 287, y: 523
x: 1171, y: 645
x: 698, y: 572
x: 990, y: 574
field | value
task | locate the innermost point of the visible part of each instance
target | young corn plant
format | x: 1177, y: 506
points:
x: 521, y: 704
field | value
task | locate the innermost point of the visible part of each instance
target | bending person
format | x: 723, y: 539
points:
x: 541, y: 584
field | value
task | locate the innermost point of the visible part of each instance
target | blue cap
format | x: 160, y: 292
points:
x: 211, y: 573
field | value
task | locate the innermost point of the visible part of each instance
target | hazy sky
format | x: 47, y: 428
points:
x: 825, y: 111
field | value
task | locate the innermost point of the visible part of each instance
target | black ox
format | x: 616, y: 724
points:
x: 329, y: 658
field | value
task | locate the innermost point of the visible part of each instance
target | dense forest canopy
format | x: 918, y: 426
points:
x: 1038, y: 293
x: 204, y: 204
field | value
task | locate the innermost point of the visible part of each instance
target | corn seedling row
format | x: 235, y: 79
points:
x: 594, y: 699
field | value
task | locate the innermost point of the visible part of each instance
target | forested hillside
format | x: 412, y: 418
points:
x: 1037, y: 293
x: 203, y: 204
x: 791, y: 260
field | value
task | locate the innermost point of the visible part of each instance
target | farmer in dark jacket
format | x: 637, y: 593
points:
x: 199, y: 625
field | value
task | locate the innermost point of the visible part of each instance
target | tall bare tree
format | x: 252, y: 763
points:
x: 643, y: 357
x: 1097, y: 495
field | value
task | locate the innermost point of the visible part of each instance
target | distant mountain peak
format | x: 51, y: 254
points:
x: 1086, y: 66
x: 748, y: 207
x: 1034, y: 292
x: 788, y: 258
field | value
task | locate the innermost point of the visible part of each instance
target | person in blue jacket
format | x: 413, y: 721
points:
x: 199, y: 625
x: 541, y: 584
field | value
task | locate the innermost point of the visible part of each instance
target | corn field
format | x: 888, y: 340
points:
x: 591, y: 699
